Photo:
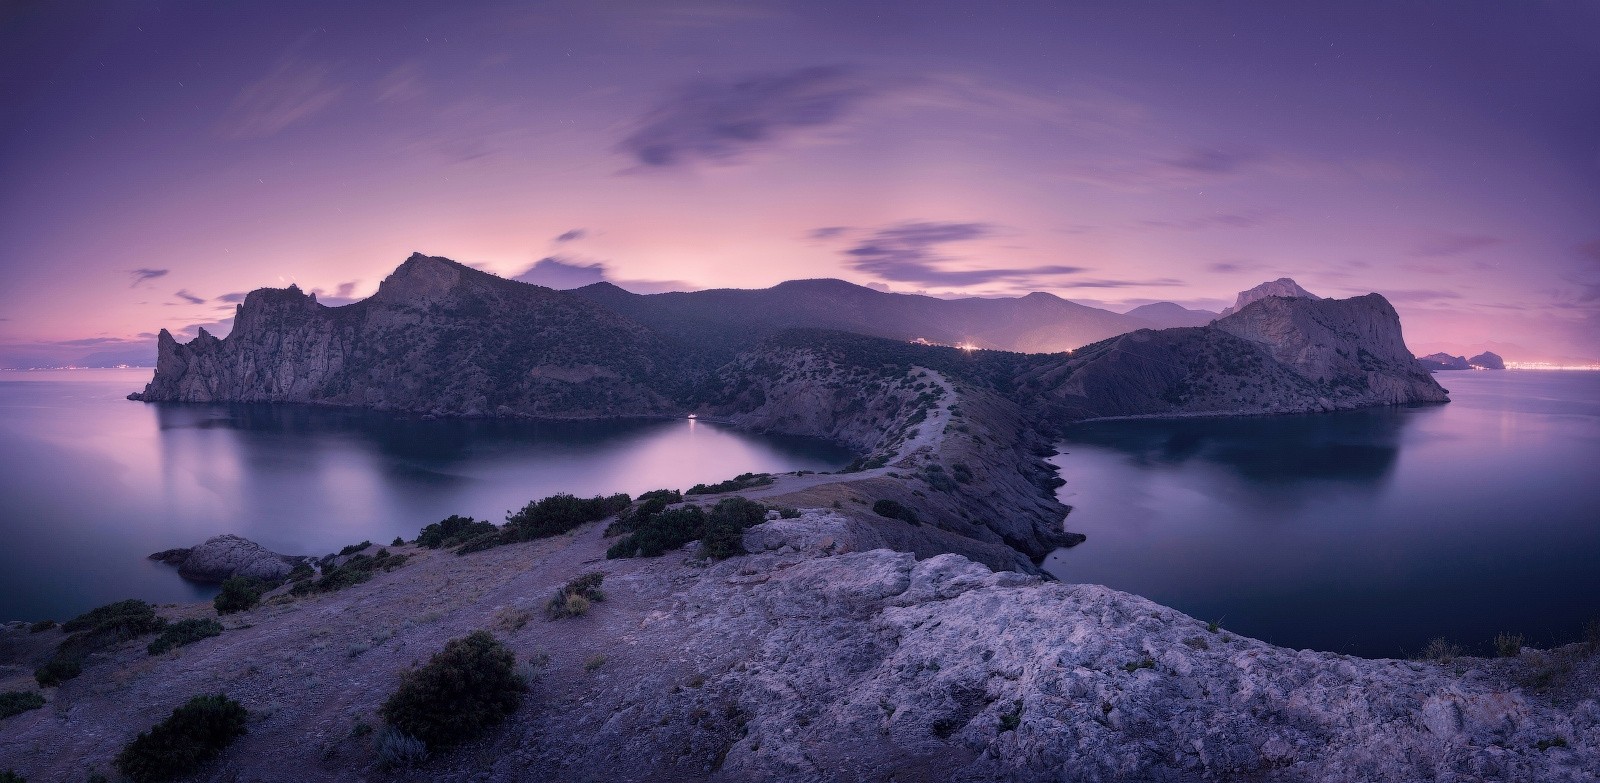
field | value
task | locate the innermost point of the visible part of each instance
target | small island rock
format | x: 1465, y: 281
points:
x: 224, y: 556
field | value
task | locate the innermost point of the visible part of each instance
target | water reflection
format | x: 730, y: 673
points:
x: 1366, y: 532
x: 92, y: 483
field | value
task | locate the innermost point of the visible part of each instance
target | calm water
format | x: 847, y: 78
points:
x: 91, y: 483
x: 1366, y: 532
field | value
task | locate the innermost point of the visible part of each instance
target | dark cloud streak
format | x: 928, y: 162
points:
x: 908, y: 253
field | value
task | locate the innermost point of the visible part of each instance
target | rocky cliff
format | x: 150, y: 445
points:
x: 1443, y: 361
x: 438, y: 337
x: 1276, y: 355
x: 1488, y: 360
x: 1283, y: 286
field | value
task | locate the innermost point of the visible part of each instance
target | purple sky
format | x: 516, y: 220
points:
x: 158, y: 159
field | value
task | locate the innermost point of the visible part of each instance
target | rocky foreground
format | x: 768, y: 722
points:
x: 812, y: 660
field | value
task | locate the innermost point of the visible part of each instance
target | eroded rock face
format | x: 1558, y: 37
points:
x: 1444, y: 361
x: 228, y: 555
x: 1488, y: 360
x: 1283, y: 286
x: 941, y: 669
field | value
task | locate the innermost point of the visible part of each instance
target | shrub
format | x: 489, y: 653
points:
x: 398, y: 541
x: 594, y: 662
x: 58, y: 670
x: 470, y: 685
x: 41, y: 626
x: 398, y: 749
x: 354, y: 548
x: 740, y: 482
x: 452, y: 531
x: 358, y: 569
x: 788, y: 513
x: 658, y: 533
x: 893, y: 510
x: 184, y: 632
x: 238, y: 594
x: 124, y: 619
x: 176, y: 747
x: 1508, y: 645
x: 725, y: 526
x: 557, y: 514
x: 17, y: 702
x: 1440, y: 651
x: 11, y: 776
x: 574, y: 598
x: 650, y: 504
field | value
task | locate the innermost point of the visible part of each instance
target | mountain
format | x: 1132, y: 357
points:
x: 1283, y: 286
x: 1275, y: 355
x: 1443, y: 361
x: 729, y: 318
x: 438, y: 337
x: 1487, y: 361
x: 1166, y: 315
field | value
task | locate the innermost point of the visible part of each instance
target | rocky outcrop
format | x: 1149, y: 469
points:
x: 1435, y: 362
x: 225, y: 556
x: 1283, y: 286
x: 1276, y: 355
x: 1488, y: 360
x: 437, y: 338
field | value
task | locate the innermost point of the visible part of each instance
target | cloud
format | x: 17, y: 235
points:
x: 235, y: 297
x: 568, y: 236
x: 1231, y: 266
x: 1453, y: 244
x: 1249, y: 218
x: 190, y: 298
x: 721, y: 121
x: 343, y: 294
x: 827, y: 232
x: 1160, y: 282
x: 908, y: 253
x: 294, y: 90
x: 565, y: 273
x: 145, y: 275
x: 1420, y: 295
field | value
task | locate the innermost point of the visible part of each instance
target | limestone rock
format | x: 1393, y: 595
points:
x: 228, y: 555
x: 1283, y: 286
x: 1488, y: 360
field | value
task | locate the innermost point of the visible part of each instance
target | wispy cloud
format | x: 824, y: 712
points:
x: 1242, y: 219
x: 722, y: 121
x: 565, y: 273
x: 235, y: 297
x: 188, y: 297
x: 911, y: 253
x: 826, y: 232
x: 145, y: 275
x: 295, y: 89
x: 1453, y: 244
x: 570, y: 235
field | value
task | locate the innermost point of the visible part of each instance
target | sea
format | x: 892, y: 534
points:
x: 92, y: 483
x: 1369, y: 532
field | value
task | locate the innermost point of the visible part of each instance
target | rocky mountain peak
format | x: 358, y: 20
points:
x: 420, y: 280
x: 1283, y: 286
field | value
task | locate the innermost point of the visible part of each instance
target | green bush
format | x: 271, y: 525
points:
x: 238, y: 594
x: 184, y: 632
x: 11, y: 776
x: 453, y: 530
x: 740, y: 482
x: 192, y: 735
x: 17, y: 702
x: 354, y: 548
x: 358, y: 569
x: 893, y: 510
x: 470, y: 685
x: 649, y: 504
x: 41, y: 626
x: 573, y: 599
x: 124, y: 619
x: 1508, y: 645
x: 58, y: 670
x: 661, y: 532
x: 725, y: 525
x: 557, y: 514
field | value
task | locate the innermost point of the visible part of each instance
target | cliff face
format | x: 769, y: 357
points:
x: 1283, y: 286
x: 438, y: 337
x: 1277, y: 355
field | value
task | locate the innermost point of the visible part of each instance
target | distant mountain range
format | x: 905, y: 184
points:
x: 442, y: 338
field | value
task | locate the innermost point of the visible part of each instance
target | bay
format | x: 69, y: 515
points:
x: 91, y: 483
x: 1364, y: 532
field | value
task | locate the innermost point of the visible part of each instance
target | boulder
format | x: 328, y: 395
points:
x: 228, y: 555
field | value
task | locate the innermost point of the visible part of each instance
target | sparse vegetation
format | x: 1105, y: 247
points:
x: 575, y: 597
x: 354, y: 548
x: 18, y: 702
x: 57, y: 670
x: 454, y: 530
x: 11, y: 776
x: 557, y: 514
x: 468, y: 686
x: 398, y: 749
x: 1143, y: 663
x: 738, y: 483
x: 177, y: 747
x: 1508, y: 645
x: 594, y: 662
x: 354, y: 571
x: 1546, y: 744
x: 893, y: 510
x: 41, y: 626
x: 184, y: 632
x: 94, y: 630
x: 1439, y: 651
x: 239, y: 593
x: 1010, y: 720
x: 725, y: 526
x: 721, y: 531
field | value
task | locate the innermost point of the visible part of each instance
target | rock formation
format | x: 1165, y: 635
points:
x: 1487, y: 360
x: 1443, y: 361
x: 224, y: 556
x: 437, y: 338
x: 1167, y: 315
x: 1283, y: 286
x: 1276, y: 355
